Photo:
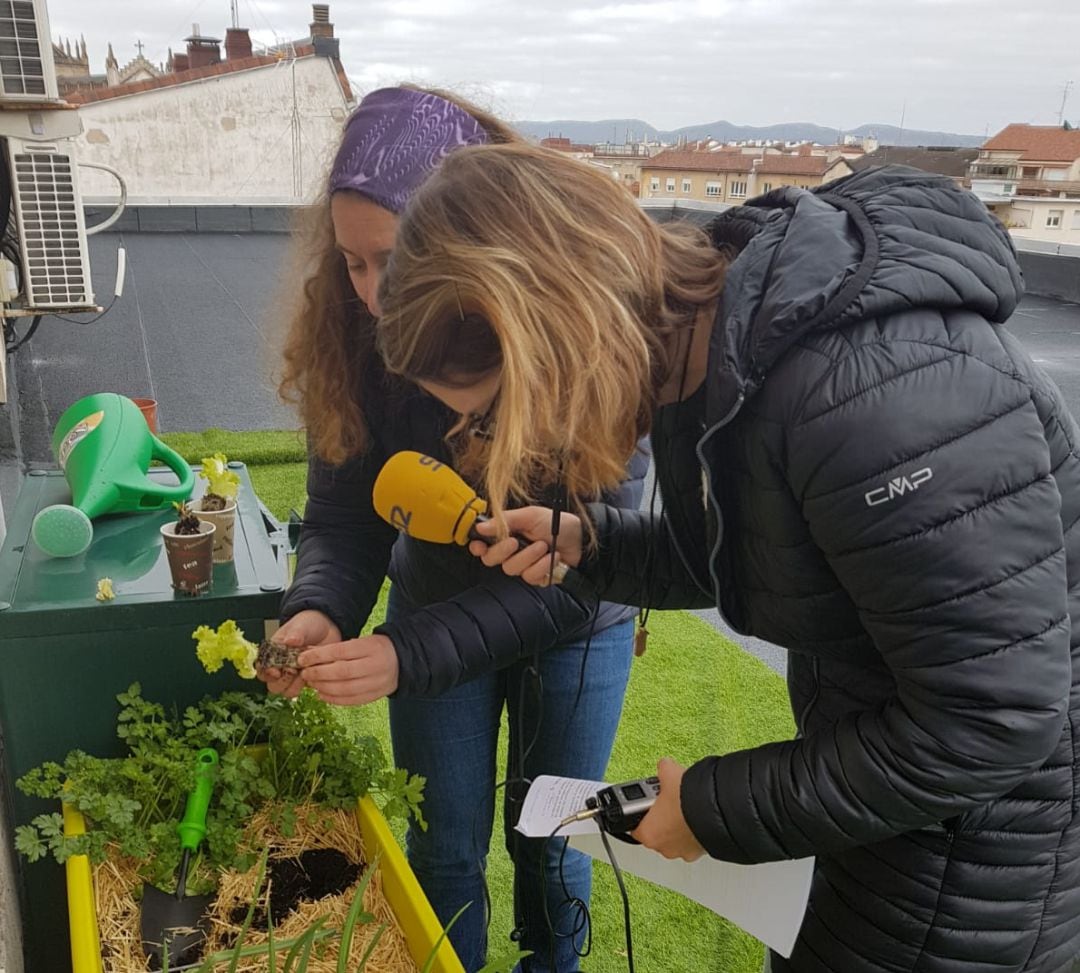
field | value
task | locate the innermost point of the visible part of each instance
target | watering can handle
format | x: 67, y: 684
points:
x: 172, y: 459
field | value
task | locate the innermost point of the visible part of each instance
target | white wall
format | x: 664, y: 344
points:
x: 223, y: 139
x: 1029, y: 220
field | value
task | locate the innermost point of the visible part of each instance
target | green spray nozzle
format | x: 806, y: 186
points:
x: 193, y: 827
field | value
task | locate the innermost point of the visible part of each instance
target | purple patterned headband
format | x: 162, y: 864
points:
x: 395, y: 139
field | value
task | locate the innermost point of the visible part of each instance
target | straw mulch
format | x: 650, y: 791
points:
x: 116, y: 879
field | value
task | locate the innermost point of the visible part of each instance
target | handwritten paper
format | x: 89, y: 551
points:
x: 767, y: 900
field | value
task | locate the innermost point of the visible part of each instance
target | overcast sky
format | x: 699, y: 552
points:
x: 959, y: 65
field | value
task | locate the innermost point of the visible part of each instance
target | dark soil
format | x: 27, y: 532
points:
x: 315, y: 875
x: 211, y: 501
x: 188, y: 523
x: 274, y: 655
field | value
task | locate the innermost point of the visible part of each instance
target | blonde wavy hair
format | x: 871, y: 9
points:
x: 515, y: 258
x: 330, y: 362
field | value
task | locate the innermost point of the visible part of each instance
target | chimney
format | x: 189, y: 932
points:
x: 320, y: 21
x: 237, y: 43
x: 202, y: 51
x: 179, y: 62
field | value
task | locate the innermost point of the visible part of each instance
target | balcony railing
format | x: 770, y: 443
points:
x: 1046, y: 187
x: 1008, y: 173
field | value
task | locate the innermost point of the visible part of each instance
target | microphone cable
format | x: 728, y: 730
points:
x: 525, y: 751
x: 586, y: 922
x: 625, y: 900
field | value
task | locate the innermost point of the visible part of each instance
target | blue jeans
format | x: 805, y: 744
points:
x: 451, y: 741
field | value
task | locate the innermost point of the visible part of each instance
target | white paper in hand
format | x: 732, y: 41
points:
x: 768, y: 901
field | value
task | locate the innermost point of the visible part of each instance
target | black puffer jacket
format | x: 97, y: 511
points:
x: 895, y: 489
x: 469, y: 619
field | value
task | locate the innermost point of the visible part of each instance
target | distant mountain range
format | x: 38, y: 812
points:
x: 617, y: 130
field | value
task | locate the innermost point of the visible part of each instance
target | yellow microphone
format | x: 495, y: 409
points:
x: 425, y: 499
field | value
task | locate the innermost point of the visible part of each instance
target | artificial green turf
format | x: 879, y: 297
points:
x: 253, y: 448
x: 693, y: 693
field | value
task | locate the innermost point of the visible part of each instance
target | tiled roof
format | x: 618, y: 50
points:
x: 700, y: 161
x: 945, y: 162
x: 82, y: 97
x: 1037, y: 143
x: 793, y: 165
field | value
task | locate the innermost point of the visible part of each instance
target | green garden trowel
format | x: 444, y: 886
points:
x: 173, y: 922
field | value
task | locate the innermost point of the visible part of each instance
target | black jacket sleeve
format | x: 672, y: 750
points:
x: 344, y: 546
x: 495, y: 624
x: 638, y: 561
x: 485, y: 628
x: 928, y: 488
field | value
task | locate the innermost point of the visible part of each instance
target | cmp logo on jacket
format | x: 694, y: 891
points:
x: 898, y: 486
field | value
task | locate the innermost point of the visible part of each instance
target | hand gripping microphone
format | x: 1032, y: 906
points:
x: 427, y: 500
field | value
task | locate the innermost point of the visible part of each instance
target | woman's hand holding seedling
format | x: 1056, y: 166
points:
x: 353, y: 672
x: 305, y: 629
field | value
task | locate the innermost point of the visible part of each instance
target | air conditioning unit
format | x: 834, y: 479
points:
x: 27, y: 72
x: 52, y: 231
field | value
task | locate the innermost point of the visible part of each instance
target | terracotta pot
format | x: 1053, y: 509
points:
x: 148, y: 407
x: 225, y: 522
x: 191, y: 558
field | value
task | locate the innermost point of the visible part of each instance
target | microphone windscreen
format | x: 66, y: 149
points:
x: 426, y: 499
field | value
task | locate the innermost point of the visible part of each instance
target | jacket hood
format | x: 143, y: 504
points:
x: 885, y: 240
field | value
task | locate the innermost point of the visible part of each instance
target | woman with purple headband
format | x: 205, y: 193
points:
x: 441, y: 624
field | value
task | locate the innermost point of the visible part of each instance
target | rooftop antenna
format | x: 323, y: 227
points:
x: 234, y: 6
x: 1064, y: 100
x: 903, y: 115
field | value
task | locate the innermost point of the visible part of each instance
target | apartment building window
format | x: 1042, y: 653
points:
x: 766, y: 187
x: 1054, y: 217
x: 1076, y: 219
x: 654, y: 184
x: 671, y: 184
x: 686, y: 186
x: 1021, y: 218
x: 714, y: 189
x: 738, y: 190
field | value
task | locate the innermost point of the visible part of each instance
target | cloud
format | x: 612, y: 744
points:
x: 960, y: 65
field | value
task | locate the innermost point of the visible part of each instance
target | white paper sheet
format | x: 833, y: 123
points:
x: 768, y: 900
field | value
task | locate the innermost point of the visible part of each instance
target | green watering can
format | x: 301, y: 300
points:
x: 105, y: 448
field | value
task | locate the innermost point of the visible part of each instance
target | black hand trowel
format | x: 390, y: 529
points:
x: 172, y: 921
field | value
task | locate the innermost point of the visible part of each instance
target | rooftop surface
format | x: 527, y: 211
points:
x: 193, y: 329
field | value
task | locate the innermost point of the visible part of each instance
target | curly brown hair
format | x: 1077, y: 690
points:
x: 329, y: 349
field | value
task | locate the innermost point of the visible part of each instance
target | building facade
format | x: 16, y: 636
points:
x: 213, y: 129
x: 731, y: 177
x: 1045, y: 219
x: 624, y: 162
x: 718, y: 177
x: 804, y: 170
x: 1029, y: 177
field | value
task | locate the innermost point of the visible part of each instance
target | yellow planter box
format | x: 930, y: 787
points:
x: 403, y: 892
